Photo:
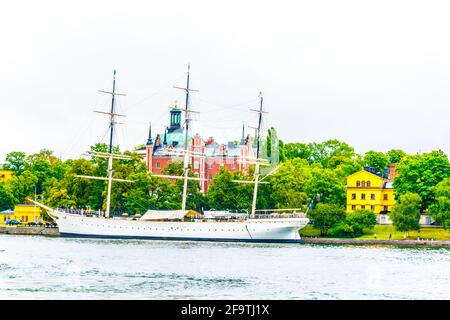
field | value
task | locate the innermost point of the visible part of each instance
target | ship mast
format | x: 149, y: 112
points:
x: 110, y: 159
x: 186, y: 139
x: 109, y: 155
x: 257, y: 165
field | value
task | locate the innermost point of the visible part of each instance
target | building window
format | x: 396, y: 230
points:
x: 358, y: 184
x: 363, y: 184
x: 353, y: 207
x: 368, y: 183
x: 385, y: 208
x: 372, y: 196
x: 233, y: 165
x: 363, y: 207
x: 210, y: 176
x: 158, y: 165
x: 363, y: 196
x: 353, y: 196
x: 385, y: 196
x: 210, y: 166
x: 196, y: 165
x: 372, y: 208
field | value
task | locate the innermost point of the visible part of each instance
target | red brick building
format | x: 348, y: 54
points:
x: 392, y: 172
x: 233, y: 156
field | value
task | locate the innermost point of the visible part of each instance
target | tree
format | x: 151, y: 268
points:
x: 323, y: 152
x: 419, y: 173
x: 19, y: 188
x: 318, y: 153
x: 15, y: 161
x: 354, y: 224
x: 395, y: 155
x: 440, y: 210
x: 295, y: 150
x: 328, y: 184
x: 405, y: 214
x: 224, y: 194
x: 288, y: 184
x: 377, y: 160
x: 325, y: 216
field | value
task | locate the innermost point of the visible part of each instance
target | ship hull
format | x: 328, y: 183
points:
x: 251, y: 230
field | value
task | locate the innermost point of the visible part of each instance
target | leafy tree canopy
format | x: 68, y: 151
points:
x: 354, y: 224
x: 419, y: 173
x: 325, y: 216
x: 440, y: 210
x: 395, y: 155
x: 406, y: 212
x: 377, y: 160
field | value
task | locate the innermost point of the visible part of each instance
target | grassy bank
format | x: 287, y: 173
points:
x: 383, y: 231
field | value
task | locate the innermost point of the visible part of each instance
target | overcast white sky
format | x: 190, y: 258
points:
x: 375, y: 74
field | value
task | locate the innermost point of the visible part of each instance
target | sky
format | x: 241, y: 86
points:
x: 374, y: 74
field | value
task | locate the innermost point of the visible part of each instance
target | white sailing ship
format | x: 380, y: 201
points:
x: 175, y: 224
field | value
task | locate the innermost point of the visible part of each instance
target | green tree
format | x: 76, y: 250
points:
x: 354, y: 224
x: 419, y: 173
x: 377, y: 160
x: 296, y: 150
x: 327, y: 153
x: 325, y: 216
x: 288, y: 184
x: 395, y: 155
x: 224, y: 194
x: 323, y: 152
x: 20, y: 187
x: 328, y: 184
x: 405, y: 214
x: 440, y: 210
x: 15, y: 161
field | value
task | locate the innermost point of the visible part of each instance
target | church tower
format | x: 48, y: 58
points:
x: 175, y: 119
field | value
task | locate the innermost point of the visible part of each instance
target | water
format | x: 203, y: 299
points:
x: 36, y: 267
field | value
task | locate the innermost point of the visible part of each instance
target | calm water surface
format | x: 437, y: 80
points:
x: 34, y: 267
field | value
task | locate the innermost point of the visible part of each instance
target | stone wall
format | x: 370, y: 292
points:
x: 30, y: 231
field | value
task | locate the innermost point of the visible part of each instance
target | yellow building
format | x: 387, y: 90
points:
x: 6, y: 215
x: 24, y: 213
x: 5, y: 175
x: 367, y: 190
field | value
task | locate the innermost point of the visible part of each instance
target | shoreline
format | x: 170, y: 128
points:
x: 54, y: 232
x: 352, y: 241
